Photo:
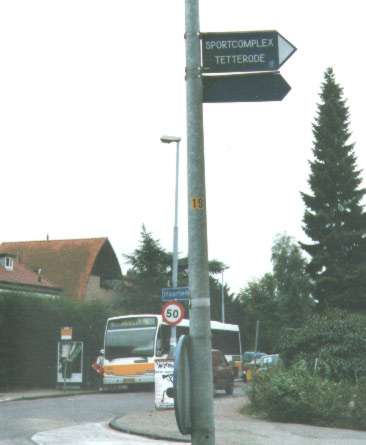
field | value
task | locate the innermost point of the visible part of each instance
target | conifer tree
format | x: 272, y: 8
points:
x: 334, y: 218
x: 149, y: 273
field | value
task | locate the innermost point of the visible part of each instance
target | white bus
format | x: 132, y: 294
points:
x: 132, y: 342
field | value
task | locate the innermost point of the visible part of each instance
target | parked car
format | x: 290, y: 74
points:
x: 250, y: 361
x: 223, y: 372
x: 269, y: 361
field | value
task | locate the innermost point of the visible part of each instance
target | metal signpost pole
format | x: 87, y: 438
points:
x: 203, y: 431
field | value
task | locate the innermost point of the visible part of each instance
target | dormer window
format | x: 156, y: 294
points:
x: 9, y: 263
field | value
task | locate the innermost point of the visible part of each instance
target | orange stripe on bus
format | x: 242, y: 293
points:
x: 131, y: 369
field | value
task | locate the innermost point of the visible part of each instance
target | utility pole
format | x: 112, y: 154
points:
x: 223, y: 296
x: 203, y: 430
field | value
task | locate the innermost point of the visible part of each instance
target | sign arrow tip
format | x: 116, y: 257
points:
x: 285, y: 49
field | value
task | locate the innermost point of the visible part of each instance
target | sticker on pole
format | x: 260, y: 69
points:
x: 172, y: 312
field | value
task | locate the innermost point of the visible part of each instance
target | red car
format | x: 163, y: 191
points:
x: 223, y: 372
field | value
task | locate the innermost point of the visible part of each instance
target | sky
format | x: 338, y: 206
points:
x: 88, y: 87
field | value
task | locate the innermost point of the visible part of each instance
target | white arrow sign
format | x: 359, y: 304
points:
x: 285, y: 50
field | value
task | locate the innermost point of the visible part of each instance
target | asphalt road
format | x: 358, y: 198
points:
x: 20, y: 420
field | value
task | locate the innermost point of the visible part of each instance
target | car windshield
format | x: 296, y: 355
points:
x: 248, y: 356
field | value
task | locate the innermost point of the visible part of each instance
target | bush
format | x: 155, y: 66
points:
x: 30, y: 331
x: 358, y: 404
x: 335, y: 341
x: 296, y: 395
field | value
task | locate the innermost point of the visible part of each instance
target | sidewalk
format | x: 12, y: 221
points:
x: 231, y: 427
x: 29, y: 394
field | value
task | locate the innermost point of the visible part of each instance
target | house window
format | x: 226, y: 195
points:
x: 9, y: 263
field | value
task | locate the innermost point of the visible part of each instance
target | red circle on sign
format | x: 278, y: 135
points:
x: 172, y: 312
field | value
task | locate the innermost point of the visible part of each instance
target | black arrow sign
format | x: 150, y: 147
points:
x: 257, y: 87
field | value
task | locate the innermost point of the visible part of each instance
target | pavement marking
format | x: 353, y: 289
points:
x: 92, y: 433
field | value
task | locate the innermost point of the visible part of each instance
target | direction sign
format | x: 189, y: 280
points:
x: 244, y: 51
x: 172, y: 312
x: 175, y: 293
x: 254, y: 87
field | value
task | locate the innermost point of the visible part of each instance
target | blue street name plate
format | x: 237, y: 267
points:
x: 175, y: 293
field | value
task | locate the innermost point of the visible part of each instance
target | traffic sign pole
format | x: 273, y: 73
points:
x: 203, y: 431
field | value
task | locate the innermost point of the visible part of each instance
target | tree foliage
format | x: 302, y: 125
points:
x: 333, y: 343
x: 279, y: 299
x: 151, y: 270
x: 334, y: 218
x: 292, y: 283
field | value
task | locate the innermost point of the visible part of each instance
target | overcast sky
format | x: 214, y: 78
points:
x: 88, y: 87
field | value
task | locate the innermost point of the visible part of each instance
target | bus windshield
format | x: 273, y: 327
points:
x: 132, y: 337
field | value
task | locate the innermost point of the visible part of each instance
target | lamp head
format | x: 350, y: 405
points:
x: 169, y: 139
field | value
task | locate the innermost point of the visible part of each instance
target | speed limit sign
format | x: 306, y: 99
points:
x: 172, y: 312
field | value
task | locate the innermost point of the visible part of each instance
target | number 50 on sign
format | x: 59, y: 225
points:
x: 172, y: 312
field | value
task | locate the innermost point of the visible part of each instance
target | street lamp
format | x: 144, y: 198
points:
x: 222, y: 295
x: 168, y: 140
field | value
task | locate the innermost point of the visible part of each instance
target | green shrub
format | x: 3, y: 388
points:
x: 30, y: 330
x: 298, y: 396
x: 358, y: 404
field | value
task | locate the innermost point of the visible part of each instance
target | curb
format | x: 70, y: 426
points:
x: 114, y: 425
x: 45, y: 396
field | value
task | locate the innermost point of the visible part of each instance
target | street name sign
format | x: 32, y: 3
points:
x: 244, y: 51
x: 175, y: 293
x: 254, y: 87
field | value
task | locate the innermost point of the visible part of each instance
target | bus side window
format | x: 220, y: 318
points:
x: 163, y: 340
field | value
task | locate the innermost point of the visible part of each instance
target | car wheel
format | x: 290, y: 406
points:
x: 229, y: 389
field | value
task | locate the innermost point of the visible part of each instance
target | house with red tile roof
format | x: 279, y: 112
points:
x: 85, y: 269
x: 17, y: 279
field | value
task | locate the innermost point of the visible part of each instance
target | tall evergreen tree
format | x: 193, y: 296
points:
x: 334, y: 218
